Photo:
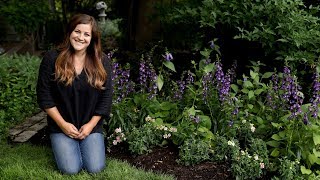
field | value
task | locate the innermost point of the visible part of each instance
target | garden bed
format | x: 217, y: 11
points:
x: 161, y: 159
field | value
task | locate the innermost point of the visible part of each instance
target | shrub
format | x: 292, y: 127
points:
x: 18, y: 76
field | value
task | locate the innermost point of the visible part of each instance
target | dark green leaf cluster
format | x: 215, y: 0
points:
x: 25, y: 16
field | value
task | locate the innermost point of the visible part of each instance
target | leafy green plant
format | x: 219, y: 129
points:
x: 193, y: 151
x: 18, y: 78
x: 142, y: 140
x: 26, y: 16
x: 110, y: 33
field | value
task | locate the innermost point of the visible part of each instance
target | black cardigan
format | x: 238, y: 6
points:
x: 77, y: 103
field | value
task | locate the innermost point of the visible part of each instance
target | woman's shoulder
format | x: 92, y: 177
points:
x: 50, y: 56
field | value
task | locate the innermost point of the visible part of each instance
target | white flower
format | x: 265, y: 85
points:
x: 111, y: 115
x: 169, y: 135
x: 165, y: 128
x: 244, y: 121
x: 114, y: 142
x: 231, y: 143
x: 256, y: 157
x: 262, y: 165
x: 242, y: 152
x: 117, y: 130
x: 165, y: 136
x: 148, y: 118
x: 252, y: 128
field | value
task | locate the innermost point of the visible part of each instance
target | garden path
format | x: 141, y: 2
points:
x: 23, y: 132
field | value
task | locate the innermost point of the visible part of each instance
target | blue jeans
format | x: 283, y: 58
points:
x: 72, y: 155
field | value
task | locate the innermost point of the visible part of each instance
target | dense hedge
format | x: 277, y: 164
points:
x: 18, y: 76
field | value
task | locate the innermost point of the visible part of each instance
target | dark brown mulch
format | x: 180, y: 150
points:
x: 163, y: 159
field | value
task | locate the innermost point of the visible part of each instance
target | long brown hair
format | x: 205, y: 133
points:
x: 93, y: 67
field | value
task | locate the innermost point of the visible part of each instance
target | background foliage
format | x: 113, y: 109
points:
x: 18, y: 77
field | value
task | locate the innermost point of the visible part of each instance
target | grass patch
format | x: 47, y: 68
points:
x: 26, y: 161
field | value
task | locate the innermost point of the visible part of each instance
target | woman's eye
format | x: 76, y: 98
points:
x: 87, y: 35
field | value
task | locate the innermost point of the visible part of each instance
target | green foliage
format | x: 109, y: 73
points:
x: 25, y: 16
x: 286, y: 29
x: 142, y: 140
x: 110, y: 33
x: 245, y: 166
x: 18, y: 78
x: 26, y: 161
x: 194, y: 151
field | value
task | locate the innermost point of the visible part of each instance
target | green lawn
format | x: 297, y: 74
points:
x: 26, y: 161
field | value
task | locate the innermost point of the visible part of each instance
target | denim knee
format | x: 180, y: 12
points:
x: 70, y: 170
x: 95, y: 169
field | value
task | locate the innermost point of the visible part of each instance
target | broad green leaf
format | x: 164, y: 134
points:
x: 234, y: 88
x: 208, y: 68
x: 250, y: 94
x: 258, y: 91
x: 276, y: 137
x: 192, y: 111
x: 170, y: 65
x: 312, y: 158
x: 160, y: 82
x: 273, y: 143
x: 282, y: 134
x: 316, y: 139
x: 277, y: 125
x: 304, y: 170
x: 205, y: 53
x: 166, y: 106
x: 250, y: 106
x: 260, y: 120
x: 247, y: 84
x: 275, y: 152
x: 205, y: 121
x: 267, y: 75
x: 253, y: 74
x: 316, y: 153
x: 158, y: 121
x: 245, y: 90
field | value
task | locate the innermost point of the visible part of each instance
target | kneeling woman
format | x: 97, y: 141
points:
x: 75, y: 89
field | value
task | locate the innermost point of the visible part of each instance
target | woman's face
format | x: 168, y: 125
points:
x: 80, y: 37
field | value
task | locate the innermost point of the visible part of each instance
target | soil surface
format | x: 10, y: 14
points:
x: 161, y: 159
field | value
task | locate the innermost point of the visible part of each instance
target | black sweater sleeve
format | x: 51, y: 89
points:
x: 46, y: 72
x: 103, y: 107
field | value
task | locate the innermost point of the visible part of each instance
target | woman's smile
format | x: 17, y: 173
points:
x: 80, y: 37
